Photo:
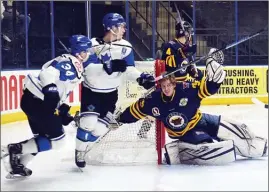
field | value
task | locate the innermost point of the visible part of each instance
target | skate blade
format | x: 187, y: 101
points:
x: 16, y: 176
x: 4, y: 152
x: 80, y: 169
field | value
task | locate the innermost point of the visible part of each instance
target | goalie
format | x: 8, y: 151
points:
x: 200, y: 138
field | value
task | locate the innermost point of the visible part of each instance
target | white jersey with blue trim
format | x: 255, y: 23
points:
x: 64, y: 71
x: 96, y: 78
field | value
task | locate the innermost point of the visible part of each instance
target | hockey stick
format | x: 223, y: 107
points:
x: 179, y: 19
x: 259, y: 103
x: 66, y: 49
x: 218, y: 50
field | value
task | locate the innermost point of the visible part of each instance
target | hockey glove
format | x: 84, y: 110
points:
x: 116, y: 65
x: 192, y: 71
x: 214, y: 71
x: 146, y: 80
x: 65, y: 115
x: 51, y: 97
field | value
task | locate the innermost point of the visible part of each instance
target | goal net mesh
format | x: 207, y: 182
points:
x: 135, y: 143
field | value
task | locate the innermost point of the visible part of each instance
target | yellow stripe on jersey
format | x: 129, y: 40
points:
x: 175, y: 134
x: 182, y: 53
x: 183, y: 78
x: 136, y: 112
x: 203, y: 91
x: 132, y: 112
x: 137, y: 107
x: 170, y: 61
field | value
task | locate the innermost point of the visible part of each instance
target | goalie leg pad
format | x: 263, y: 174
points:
x: 218, y: 153
x: 245, y: 141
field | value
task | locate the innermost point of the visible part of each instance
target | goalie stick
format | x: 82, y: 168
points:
x: 218, y: 50
x: 258, y: 102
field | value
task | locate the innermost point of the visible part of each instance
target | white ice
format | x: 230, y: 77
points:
x: 55, y: 170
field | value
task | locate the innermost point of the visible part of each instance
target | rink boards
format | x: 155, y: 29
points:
x: 241, y: 84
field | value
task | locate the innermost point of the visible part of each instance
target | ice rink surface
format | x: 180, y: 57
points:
x: 55, y: 170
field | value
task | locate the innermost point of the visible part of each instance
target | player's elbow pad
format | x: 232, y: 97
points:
x: 51, y: 97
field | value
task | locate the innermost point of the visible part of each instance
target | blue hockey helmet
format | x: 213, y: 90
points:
x: 111, y: 20
x: 79, y: 43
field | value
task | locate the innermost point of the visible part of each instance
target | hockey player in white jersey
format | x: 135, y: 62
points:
x: 42, y: 96
x: 112, y: 57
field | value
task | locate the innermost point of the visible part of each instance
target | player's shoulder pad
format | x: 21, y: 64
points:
x: 172, y: 42
x: 123, y: 42
x: 70, y: 63
x: 96, y: 41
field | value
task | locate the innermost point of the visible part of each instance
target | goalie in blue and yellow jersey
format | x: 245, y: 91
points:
x: 200, y: 138
x: 174, y: 54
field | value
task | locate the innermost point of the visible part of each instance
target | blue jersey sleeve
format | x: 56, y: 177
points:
x: 129, y: 58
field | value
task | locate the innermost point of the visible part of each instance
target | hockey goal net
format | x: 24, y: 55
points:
x: 131, y: 144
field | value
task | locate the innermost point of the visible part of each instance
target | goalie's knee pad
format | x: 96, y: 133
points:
x: 218, y: 153
x: 88, y: 120
x: 245, y: 141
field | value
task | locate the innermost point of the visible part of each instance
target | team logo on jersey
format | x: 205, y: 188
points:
x: 155, y: 111
x: 123, y: 50
x: 91, y: 108
x: 177, y: 120
x: 183, y: 102
x: 105, y: 58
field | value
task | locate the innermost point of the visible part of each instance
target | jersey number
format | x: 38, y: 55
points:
x: 67, y: 67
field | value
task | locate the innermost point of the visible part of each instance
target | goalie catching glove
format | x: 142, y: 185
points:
x: 214, y: 70
x: 116, y: 65
x: 146, y: 80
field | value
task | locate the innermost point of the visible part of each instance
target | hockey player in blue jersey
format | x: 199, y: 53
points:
x: 112, y: 58
x: 199, y: 138
x: 43, y: 95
